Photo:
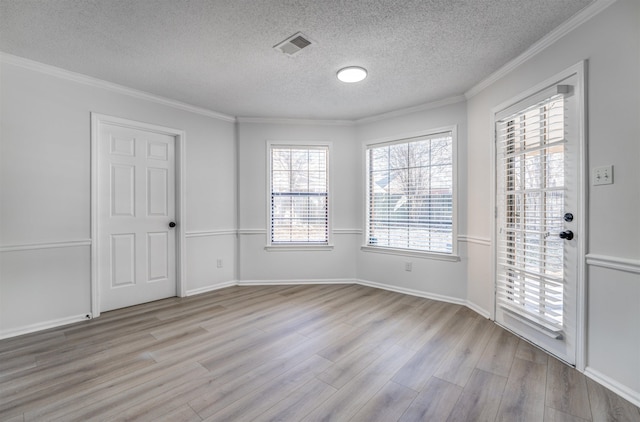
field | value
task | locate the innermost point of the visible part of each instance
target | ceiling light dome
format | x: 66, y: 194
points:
x: 352, y: 74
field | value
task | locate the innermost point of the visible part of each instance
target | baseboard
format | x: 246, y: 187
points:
x: 613, y: 385
x: 43, y: 326
x: 295, y: 281
x: 211, y: 288
x: 412, y: 292
x: 478, y: 309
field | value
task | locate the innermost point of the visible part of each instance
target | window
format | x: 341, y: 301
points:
x: 299, y: 204
x: 410, y: 194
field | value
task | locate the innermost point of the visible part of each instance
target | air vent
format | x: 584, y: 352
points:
x: 294, y: 44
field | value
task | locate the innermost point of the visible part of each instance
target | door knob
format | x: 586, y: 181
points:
x: 172, y: 224
x: 567, y: 234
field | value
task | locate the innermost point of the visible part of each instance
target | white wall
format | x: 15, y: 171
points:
x: 44, y: 188
x: 45, y: 191
x: 429, y: 277
x: 258, y: 264
x: 611, y: 43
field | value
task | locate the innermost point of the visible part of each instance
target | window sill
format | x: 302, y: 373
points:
x: 293, y: 248
x: 416, y: 254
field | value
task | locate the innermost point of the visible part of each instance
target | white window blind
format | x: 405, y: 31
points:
x: 530, y: 199
x: 299, y: 209
x: 410, y: 194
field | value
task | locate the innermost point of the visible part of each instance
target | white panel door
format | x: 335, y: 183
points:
x: 538, y: 198
x: 136, y: 206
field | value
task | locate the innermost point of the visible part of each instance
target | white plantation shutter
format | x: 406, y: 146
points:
x: 410, y: 194
x: 530, y: 199
x: 299, y: 209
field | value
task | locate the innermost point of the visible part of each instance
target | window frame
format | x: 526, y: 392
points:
x: 406, y: 138
x: 299, y: 246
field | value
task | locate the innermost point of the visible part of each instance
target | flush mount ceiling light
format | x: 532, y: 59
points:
x: 352, y: 74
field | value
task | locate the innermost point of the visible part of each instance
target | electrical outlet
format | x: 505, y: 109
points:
x: 408, y: 266
x: 602, y: 175
x: 219, y: 263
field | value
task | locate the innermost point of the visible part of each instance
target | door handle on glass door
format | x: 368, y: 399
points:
x: 567, y: 234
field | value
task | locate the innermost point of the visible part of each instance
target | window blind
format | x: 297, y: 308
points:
x: 530, y: 199
x: 299, y: 210
x: 410, y: 194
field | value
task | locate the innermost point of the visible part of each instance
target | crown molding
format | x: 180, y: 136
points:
x: 575, y: 21
x: 414, y: 109
x: 99, y: 83
x: 293, y: 121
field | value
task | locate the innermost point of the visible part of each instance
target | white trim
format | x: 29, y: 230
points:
x: 411, y: 253
x: 180, y: 200
x: 403, y: 138
x: 99, y: 83
x: 311, y: 144
x: 414, y: 109
x: 298, y: 248
x: 613, y: 385
x: 296, y: 281
x: 614, y: 263
x: 208, y: 233
x: 293, y: 121
x: 46, y: 245
x: 245, y: 232
x: 576, y: 20
x: 478, y: 309
x: 264, y: 231
x: 348, y: 231
x: 412, y: 292
x: 483, y: 241
x: 54, y: 323
x: 211, y: 288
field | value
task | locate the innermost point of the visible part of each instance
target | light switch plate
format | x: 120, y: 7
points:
x: 602, y: 175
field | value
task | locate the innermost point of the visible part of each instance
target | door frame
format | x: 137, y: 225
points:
x: 580, y: 70
x: 97, y: 120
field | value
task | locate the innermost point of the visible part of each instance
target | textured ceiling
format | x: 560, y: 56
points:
x: 218, y: 54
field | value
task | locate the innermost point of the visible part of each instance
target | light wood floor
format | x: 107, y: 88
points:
x: 292, y: 353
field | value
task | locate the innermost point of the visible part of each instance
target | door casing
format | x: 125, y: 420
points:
x: 580, y: 71
x: 180, y: 140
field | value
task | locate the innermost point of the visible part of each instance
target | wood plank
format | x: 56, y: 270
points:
x: 554, y: 415
x: 480, y: 399
x: 607, y: 406
x: 434, y: 403
x: 110, y: 405
x: 261, y: 399
x: 388, y: 404
x: 417, y: 371
x: 352, y: 397
x: 524, y: 396
x: 210, y: 397
x: 350, y: 365
x: 499, y: 354
x: 531, y: 353
x: 182, y: 414
x: 299, y: 403
x: 427, y: 325
x: 143, y: 363
x: 567, y: 390
x: 459, y: 363
x: 73, y: 397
